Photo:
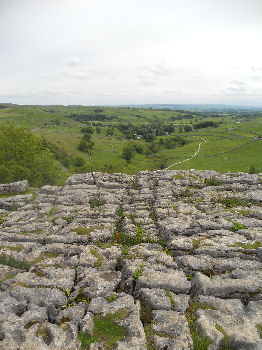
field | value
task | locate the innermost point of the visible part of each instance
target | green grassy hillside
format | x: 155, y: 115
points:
x: 232, y: 142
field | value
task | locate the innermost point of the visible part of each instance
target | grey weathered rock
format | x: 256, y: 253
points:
x: 148, y: 249
x: 14, y: 187
x: 172, y: 280
x: 174, y: 330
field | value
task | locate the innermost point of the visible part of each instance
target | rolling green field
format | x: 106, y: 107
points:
x: 234, y: 144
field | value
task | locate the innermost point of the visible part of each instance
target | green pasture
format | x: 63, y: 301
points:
x: 230, y: 147
x: 234, y: 161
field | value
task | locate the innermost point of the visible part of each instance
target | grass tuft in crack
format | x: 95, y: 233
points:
x: 105, y: 330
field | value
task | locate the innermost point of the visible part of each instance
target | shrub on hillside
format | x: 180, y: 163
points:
x: 23, y: 156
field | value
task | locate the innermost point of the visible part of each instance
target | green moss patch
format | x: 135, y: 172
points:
x: 213, y: 181
x: 17, y: 248
x: 87, y: 230
x: 172, y: 303
x: 255, y: 245
x: 105, y: 330
x: 96, y: 202
x: 259, y: 328
x: 237, y: 226
x: 138, y: 272
x: 98, y: 256
x: 9, y: 260
x: 178, y: 176
x: 231, y: 202
x: 225, y: 342
x: 200, y: 342
x: 112, y: 298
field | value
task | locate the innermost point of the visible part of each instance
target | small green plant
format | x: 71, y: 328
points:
x: 196, y: 243
x: 98, y: 256
x: 252, y: 170
x: 68, y: 302
x: 149, y: 240
x: 16, y: 248
x: 120, y: 212
x: 178, y: 176
x: 237, y: 226
x: 138, y: 272
x: 167, y: 251
x: 174, y: 206
x: 200, y: 342
x: 112, y: 298
x: 161, y: 241
x: 51, y: 211
x: 213, y: 181
x: 96, y: 202
x: 255, y: 245
x: 103, y: 245
x: 9, y: 260
x: 68, y: 219
x: 246, y: 213
x: 225, y: 341
x: 138, y: 238
x: 186, y: 193
x: 152, y: 216
x: 231, y: 202
x: 105, y: 330
x: 259, y: 328
x: 189, y: 277
x: 53, y: 220
x: 133, y: 219
x: 124, y: 250
x: 146, y: 319
x: 129, y: 240
x: 87, y: 230
x: 171, y: 300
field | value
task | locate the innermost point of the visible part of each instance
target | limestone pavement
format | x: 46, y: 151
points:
x: 168, y: 259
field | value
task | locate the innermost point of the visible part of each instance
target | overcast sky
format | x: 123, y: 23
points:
x: 131, y: 51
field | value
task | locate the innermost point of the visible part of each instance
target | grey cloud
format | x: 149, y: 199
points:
x: 74, y: 74
x: 255, y: 69
x: 147, y: 82
x: 236, y: 89
x: 237, y: 86
x: 256, y: 78
x: 157, y: 69
x: 237, y: 83
x: 72, y: 62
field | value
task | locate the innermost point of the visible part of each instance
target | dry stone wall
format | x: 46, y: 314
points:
x: 163, y: 260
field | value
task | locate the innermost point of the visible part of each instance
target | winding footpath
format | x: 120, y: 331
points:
x: 193, y: 156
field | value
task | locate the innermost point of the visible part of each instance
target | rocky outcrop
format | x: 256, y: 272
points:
x: 161, y: 260
x: 14, y: 187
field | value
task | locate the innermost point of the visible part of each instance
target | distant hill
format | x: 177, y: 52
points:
x: 197, y: 107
